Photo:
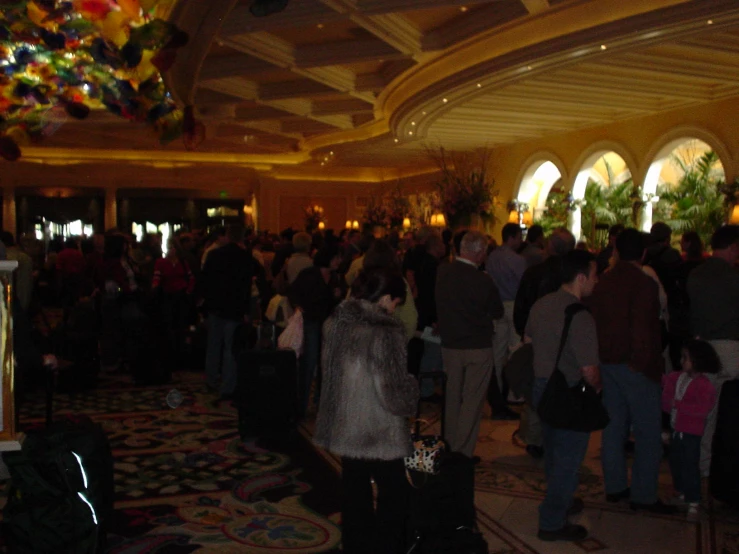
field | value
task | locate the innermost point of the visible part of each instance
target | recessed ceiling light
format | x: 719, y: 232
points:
x: 710, y: 22
x: 529, y: 67
x: 320, y: 25
x: 423, y: 113
x: 413, y: 123
x: 463, y: 9
x: 410, y: 132
x: 479, y: 85
x: 445, y: 100
x: 603, y: 46
x: 396, y: 140
x: 331, y: 153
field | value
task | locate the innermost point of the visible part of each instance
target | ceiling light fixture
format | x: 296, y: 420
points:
x: 603, y: 46
x: 479, y: 85
x: 444, y: 100
x: 529, y: 67
x: 413, y: 123
x: 423, y: 113
x: 320, y: 25
x: 410, y: 132
x: 463, y: 9
x: 396, y: 140
x: 709, y: 22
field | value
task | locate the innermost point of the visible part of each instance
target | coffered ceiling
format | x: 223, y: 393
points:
x: 357, y: 84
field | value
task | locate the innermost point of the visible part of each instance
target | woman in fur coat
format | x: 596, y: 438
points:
x: 366, y: 398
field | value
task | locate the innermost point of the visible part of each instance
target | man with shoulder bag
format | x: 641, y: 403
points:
x: 560, y: 328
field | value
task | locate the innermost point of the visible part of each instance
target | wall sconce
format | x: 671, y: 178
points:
x: 355, y: 224
x: 734, y: 219
x: 248, y: 210
x: 406, y: 223
x: 437, y: 220
x: 321, y: 225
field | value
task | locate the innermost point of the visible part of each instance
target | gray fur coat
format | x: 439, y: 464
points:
x: 367, y: 392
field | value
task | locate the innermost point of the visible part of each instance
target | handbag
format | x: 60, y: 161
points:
x: 428, y: 451
x: 576, y: 408
x: 519, y: 371
x: 292, y: 336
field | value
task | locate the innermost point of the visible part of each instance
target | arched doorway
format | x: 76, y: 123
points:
x: 685, y: 188
x: 602, y: 195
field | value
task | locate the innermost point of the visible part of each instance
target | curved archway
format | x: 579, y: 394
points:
x: 607, y: 163
x: 539, y: 173
x: 672, y: 156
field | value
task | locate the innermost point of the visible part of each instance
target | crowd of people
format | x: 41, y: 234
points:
x: 658, y: 337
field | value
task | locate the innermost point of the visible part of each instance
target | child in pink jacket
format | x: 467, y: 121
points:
x: 688, y: 396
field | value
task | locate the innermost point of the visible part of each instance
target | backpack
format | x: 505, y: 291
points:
x: 60, y: 495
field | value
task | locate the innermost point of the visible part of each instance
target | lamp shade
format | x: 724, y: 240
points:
x: 321, y: 225
x: 734, y: 219
x: 355, y: 224
x: 406, y: 223
x: 348, y: 224
x: 528, y: 219
x: 440, y: 220
x: 433, y: 220
x: 513, y: 217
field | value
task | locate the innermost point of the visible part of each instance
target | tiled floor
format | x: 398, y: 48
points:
x: 510, y: 486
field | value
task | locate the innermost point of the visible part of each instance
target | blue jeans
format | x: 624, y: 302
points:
x: 564, y: 452
x: 632, y: 400
x: 219, y: 358
x: 309, y: 362
x: 685, y: 455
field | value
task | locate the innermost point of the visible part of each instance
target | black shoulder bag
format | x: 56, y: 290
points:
x: 577, y: 408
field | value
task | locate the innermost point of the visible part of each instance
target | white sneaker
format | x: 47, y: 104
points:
x: 693, y: 512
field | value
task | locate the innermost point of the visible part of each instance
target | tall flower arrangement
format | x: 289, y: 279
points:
x: 398, y: 207
x: 376, y: 213
x: 314, y: 216
x: 465, y: 186
x: 61, y: 59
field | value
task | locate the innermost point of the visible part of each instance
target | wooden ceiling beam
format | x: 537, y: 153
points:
x: 472, y: 22
x: 388, y: 6
x: 392, y: 28
x: 259, y: 113
x: 345, y: 52
x: 348, y: 106
x: 298, y: 13
x: 232, y: 66
x: 292, y: 89
x: 304, y: 126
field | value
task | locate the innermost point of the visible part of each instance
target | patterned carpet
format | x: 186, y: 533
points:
x: 185, y: 482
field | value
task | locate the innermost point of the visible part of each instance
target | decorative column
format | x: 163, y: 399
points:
x: 9, y: 213
x: 111, y: 209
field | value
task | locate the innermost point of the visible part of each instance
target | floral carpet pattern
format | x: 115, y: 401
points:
x: 186, y: 482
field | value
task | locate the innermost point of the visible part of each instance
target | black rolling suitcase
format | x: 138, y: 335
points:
x: 724, y: 480
x: 266, y: 393
x: 442, y: 515
x: 60, y: 495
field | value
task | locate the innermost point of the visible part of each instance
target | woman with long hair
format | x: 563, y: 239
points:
x: 366, y: 398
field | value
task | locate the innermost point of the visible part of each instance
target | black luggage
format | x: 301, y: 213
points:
x: 723, y: 481
x: 266, y: 392
x: 442, y: 506
x: 60, y: 495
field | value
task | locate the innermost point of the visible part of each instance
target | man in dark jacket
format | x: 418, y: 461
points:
x: 226, y: 286
x: 625, y: 305
x: 467, y: 302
